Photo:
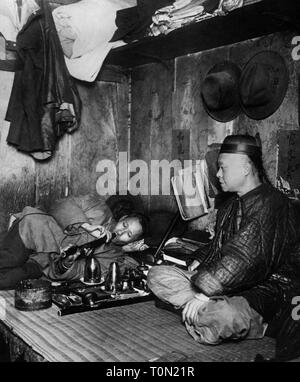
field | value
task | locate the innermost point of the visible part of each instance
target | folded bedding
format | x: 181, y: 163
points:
x: 85, y: 29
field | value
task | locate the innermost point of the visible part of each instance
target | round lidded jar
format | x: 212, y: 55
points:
x: 33, y: 294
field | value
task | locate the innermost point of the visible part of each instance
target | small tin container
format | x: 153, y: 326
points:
x: 33, y: 294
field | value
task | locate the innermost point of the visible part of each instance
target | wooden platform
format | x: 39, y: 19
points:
x: 133, y: 333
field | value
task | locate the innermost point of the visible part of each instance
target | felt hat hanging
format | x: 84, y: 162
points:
x: 263, y: 84
x: 220, y: 91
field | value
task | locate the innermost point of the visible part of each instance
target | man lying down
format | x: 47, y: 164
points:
x: 33, y: 245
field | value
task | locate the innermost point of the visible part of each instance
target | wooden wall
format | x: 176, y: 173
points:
x: 168, y: 118
x: 17, y: 171
x: 168, y: 122
x: 72, y: 169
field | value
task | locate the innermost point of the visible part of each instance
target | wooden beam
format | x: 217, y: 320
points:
x: 64, y: 2
x: 8, y: 65
x: 113, y: 73
x: 2, y: 48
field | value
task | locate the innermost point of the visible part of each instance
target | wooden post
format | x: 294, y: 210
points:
x: 19, y: 5
x: 165, y: 238
x: 2, y: 48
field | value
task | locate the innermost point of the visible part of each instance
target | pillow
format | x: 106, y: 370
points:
x: 71, y: 212
x: 95, y: 209
x: 66, y: 36
x: 67, y: 212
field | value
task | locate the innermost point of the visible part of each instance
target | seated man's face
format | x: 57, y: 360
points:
x: 128, y: 229
x: 231, y: 174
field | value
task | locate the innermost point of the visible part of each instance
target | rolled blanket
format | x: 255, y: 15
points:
x: 85, y: 29
x: 76, y: 210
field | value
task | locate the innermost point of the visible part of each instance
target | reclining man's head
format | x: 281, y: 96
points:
x: 240, y: 164
x: 130, y: 228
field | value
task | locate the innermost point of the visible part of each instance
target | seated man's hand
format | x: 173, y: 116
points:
x: 97, y: 231
x: 191, y: 309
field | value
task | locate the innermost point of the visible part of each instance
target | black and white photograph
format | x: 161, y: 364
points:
x: 149, y: 184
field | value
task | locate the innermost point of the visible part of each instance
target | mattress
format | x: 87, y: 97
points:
x: 133, y: 333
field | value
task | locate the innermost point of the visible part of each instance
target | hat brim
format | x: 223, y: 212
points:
x: 265, y: 111
x: 229, y: 114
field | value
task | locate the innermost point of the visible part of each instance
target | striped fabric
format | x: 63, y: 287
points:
x: 138, y: 332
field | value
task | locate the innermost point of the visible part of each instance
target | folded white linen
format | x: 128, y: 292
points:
x: 10, y: 21
x: 92, y: 24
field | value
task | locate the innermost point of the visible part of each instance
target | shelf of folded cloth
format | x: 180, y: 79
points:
x: 251, y: 21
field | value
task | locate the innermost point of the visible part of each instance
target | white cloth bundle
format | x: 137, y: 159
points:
x: 176, y: 15
x: 87, y: 27
x: 10, y: 23
x: 183, y: 12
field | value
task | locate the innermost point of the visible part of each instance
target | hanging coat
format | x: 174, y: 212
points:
x: 44, y: 102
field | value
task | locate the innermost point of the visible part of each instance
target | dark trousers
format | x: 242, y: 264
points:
x: 274, y: 301
x: 15, y: 264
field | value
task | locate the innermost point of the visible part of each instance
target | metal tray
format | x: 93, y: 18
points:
x: 73, y: 298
